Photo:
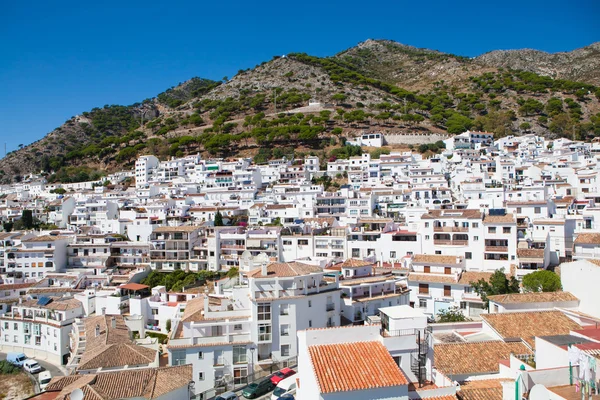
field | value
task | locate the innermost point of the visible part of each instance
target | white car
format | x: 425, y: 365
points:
x: 32, y: 366
x: 44, y: 377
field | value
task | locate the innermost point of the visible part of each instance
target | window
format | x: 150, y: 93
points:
x: 310, y: 323
x: 6, y: 325
x: 506, y: 229
x: 237, y: 327
x: 519, y: 210
x: 285, y: 350
x: 355, y: 253
x: 426, y: 237
x: 15, y: 338
x: 447, y: 270
x: 264, y: 311
x: 427, y: 269
x: 475, y: 238
x: 422, y: 303
x: 475, y: 224
x: 178, y: 357
x: 447, y: 291
x: 264, y: 332
x: 423, y: 288
x: 310, y: 303
x: 240, y: 376
x: 200, y: 376
x: 392, y: 254
x: 463, y: 305
x: 285, y: 330
x: 468, y: 289
x: 426, y: 224
x: 155, y: 311
x: 15, y: 326
x: 468, y: 255
x: 491, y: 229
x: 239, y: 355
x: 537, y: 210
x: 200, y: 355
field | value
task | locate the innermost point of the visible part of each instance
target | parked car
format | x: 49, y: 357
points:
x: 287, y: 396
x: 285, y: 387
x: 16, y: 358
x: 45, y: 377
x: 257, y: 389
x: 281, y: 375
x: 227, y: 396
x: 32, y: 366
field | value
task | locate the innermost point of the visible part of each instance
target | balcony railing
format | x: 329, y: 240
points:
x: 496, y: 249
x: 450, y: 242
x: 450, y: 229
x: 330, y: 307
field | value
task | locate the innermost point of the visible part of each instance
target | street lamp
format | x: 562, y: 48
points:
x: 252, y: 359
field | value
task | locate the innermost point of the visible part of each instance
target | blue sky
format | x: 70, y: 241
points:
x: 58, y: 59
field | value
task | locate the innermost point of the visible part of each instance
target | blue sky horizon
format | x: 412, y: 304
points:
x: 58, y: 60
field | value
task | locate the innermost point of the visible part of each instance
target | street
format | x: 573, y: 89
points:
x: 54, y: 370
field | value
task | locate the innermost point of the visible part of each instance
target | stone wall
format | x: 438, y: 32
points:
x: 414, y: 138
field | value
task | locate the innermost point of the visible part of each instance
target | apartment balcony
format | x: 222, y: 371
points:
x: 450, y: 229
x: 232, y: 246
x: 450, y: 242
x: 496, y: 249
x: 330, y: 307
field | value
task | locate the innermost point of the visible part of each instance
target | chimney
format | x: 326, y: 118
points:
x: 264, y: 269
x: 97, y: 330
x: 113, y: 322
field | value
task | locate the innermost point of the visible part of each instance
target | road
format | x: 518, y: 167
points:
x: 54, y: 370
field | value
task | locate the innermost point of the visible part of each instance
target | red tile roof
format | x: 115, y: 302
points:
x: 354, y: 366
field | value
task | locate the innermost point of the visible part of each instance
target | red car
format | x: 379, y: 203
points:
x: 281, y: 375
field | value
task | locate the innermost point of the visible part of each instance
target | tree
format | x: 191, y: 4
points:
x: 542, y: 281
x: 452, y: 314
x: 233, y: 272
x: 458, y: 123
x: 168, y: 325
x: 497, y: 284
x: 218, y: 219
x: 27, y: 219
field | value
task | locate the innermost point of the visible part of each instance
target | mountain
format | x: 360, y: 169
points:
x: 577, y: 65
x: 377, y: 85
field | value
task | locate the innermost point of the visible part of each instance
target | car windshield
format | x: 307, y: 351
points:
x: 21, y: 358
x: 44, y: 381
x: 278, y: 391
x: 252, y: 385
x: 279, y: 374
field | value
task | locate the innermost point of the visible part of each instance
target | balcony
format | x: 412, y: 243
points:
x: 441, y: 242
x: 330, y: 307
x: 450, y: 229
x: 496, y: 249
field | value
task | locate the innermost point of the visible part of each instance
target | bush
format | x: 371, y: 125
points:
x: 7, y: 368
x: 162, y: 338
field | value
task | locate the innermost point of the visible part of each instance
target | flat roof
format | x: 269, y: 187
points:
x: 404, y: 311
x: 564, y: 340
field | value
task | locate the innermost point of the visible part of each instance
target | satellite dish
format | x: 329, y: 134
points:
x: 539, y: 392
x: 77, y: 394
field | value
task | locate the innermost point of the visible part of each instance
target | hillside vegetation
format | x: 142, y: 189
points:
x: 377, y: 85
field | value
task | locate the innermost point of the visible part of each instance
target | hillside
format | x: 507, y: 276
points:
x: 377, y: 85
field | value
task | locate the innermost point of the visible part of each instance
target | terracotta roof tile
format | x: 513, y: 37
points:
x: 527, y: 325
x: 588, y: 238
x: 499, y: 219
x: 530, y: 253
x: 474, y: 358
x: 354, y: 263
x: 354, y: 366
x: 285, y: 270
x: 469, y: 277
x: 540, y: 297
x: 487, y: 389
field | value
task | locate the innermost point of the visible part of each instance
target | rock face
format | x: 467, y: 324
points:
x: 577, y: 65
